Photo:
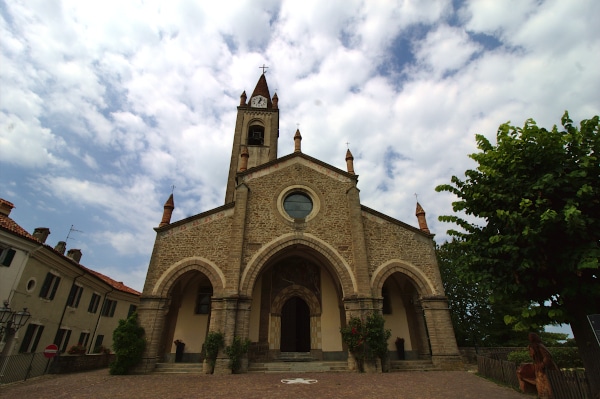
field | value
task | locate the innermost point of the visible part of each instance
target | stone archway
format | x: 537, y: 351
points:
x: 313, y: 307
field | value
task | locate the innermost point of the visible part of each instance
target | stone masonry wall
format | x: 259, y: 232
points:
x: 209, y: 240
x: 264, y: 222
x: 386, y: 241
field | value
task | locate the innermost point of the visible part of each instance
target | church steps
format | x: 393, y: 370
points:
x: 412, y: 365
x: 298, y: 367
x: 178, y: 368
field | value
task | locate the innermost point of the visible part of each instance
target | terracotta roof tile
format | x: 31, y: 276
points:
x: 6, y: 223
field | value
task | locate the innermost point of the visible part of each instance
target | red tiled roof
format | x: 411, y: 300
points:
x: 10, y: 225
x: 6, y: 223
x: 117, y: 285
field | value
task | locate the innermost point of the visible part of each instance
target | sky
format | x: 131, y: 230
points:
x: 105, y: 106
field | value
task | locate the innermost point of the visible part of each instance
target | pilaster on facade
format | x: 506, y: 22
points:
x: 359, y: 245
x: 444, y: 350
x: 236, y: 241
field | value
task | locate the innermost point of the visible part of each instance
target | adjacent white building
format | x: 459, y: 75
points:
x: 69, y: 303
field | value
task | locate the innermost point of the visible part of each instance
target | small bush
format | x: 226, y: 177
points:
x: 235, y: 352
x: 564, y: 357
x: 214, y: 341
x: 78, y: 349
x: 129, y: 345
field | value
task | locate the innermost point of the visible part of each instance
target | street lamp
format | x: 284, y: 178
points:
x: 12, y: 320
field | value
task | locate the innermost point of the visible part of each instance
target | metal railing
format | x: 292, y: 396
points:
x: 22, y: 366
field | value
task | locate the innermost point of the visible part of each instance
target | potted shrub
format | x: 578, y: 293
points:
x: 235, y: 352
x: 214, y: 341
x: 78, y: 349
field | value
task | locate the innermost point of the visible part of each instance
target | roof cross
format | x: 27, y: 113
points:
x: 263, y: 67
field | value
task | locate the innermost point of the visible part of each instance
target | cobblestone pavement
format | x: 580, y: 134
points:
x: 406, y: 385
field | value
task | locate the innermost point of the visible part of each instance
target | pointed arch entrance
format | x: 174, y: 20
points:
x: 188, y: 316
x: 295, y: 326
x: 297, y: 305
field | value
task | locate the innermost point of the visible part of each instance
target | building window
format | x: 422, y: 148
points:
x: 387, y: 303
x: 6, y: 256
x: 50, y: 286
x: 31, y: 338
x: 256, y: 135
x: 99, y: 340
x: 203, y: 300
x: 132, y: 309
x: 84, y: 337
x: 62, y: 339
x: 108, y: 308
x: 298, y: 205
x: 94, y: 302
x: 74, y: 296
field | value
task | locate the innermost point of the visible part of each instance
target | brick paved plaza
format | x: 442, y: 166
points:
x: 407, y: 385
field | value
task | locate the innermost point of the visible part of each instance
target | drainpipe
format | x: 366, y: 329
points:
x: 99, y: 316
x: 64, y: 311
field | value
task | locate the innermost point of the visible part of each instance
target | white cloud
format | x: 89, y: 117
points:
x: 105, y: 106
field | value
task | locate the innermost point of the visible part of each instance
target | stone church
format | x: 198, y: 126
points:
x: 288, y: 259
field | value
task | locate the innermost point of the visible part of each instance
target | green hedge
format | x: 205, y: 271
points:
x: 564, y: 357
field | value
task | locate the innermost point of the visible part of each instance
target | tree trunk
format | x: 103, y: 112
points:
x: 589, y: 350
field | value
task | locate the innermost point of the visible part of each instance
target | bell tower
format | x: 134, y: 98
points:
x: 256, y: 132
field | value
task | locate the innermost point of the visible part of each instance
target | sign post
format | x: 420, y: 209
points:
x: 50, y: 351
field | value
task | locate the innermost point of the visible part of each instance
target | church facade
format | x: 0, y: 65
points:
x: 288, y: 259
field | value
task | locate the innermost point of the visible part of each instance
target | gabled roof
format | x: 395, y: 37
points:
x: 283, y: 159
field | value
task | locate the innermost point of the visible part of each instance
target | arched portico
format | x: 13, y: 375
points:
x: 296, y: 271
x: 410, y: 299
x: 281, y: 246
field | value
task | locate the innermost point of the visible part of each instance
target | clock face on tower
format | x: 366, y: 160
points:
x: 259, y: 102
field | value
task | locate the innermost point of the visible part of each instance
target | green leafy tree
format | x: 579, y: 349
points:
x: 476, y: 319
x: 530, y: 226
x: 129, y: 345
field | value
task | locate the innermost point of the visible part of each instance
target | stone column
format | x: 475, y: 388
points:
x: 242, y: 326
x: 151, y: 316
x: 444, y: 351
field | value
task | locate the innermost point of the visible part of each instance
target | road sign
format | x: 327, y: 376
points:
x: 50, y: 351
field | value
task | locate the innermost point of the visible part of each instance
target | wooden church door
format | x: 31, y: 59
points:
x: 295, y: 326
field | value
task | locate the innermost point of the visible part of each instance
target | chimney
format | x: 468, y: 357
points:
x: 41, y: 234
x: 5, y: 207
x: 74, y: 254
x: 61, y: 247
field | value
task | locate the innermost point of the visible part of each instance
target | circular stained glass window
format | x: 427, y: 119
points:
x: 298, y: 205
